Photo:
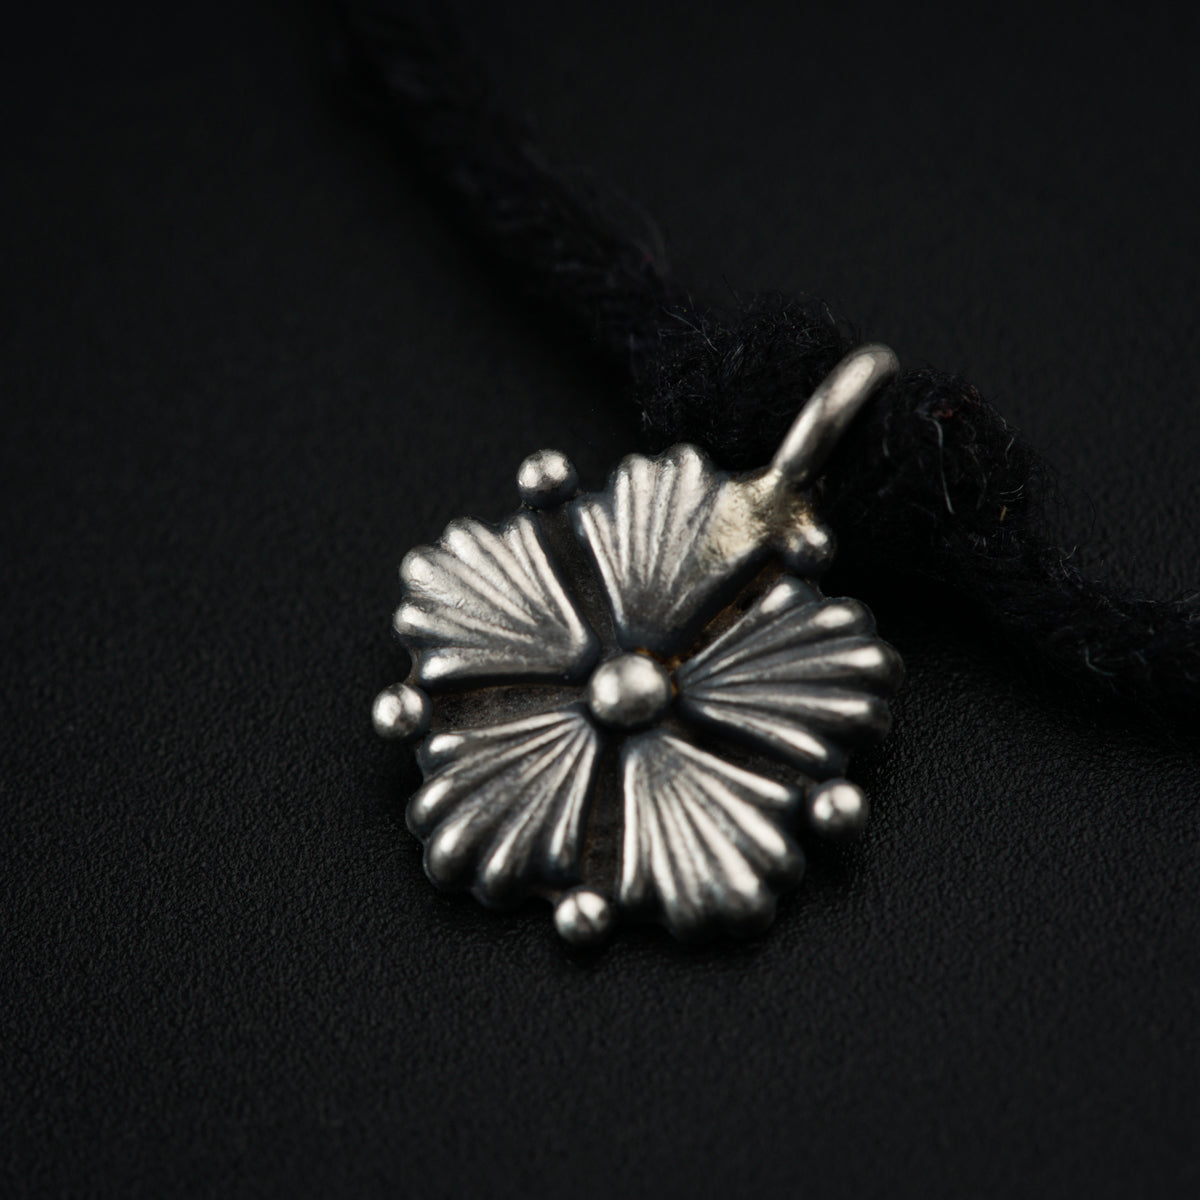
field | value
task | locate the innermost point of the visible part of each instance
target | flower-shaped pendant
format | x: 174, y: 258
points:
x: 631, y: 700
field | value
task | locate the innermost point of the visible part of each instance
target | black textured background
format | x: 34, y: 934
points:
x: 244, y: 365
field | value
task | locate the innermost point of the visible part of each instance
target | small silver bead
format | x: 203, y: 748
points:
x: 628, y: 691
x: 837, y: 809
x: 547, y: 478
x: 583, y: 917
x: 402, y: 713
x: 808, y: 550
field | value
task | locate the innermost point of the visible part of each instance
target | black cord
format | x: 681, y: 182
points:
x: 929, y: 480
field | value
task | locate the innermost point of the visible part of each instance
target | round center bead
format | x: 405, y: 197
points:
x: 629, y: 690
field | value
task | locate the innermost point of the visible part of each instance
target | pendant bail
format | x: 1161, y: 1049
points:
x: 830, y: 409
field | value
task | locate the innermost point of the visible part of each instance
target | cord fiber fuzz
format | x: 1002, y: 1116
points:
x: 930, y: 479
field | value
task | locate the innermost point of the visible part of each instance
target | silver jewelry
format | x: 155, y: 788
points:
x: 631, y: 700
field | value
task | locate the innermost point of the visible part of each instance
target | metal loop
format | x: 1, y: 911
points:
x: 830, y: 409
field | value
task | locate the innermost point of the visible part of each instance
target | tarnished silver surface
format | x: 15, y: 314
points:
x: 402, y: 712
x: 837, y: 808
x: 628, y: 691
x: 670, y: 536
x: 504, y: 807
x: 546, y: 478
x: 799, y: 677
x: 488, y: 604
x: 706, y: 843
x: 583, y: 916
x: 672, y: 608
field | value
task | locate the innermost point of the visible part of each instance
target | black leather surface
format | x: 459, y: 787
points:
x: 245, y: 366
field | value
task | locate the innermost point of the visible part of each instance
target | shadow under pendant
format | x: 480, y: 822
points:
x: 630, y: 700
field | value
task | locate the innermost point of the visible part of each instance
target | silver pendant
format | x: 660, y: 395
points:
x: 631, y: 700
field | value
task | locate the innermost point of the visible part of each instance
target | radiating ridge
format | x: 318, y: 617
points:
x: 504, y: 807
x: 705, y: 844
x: 666, y: 545
x: 486, y: 604
x: 799, y: 676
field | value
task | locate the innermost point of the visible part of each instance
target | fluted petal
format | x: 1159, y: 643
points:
x: 504, y: 807
x: 486, y: 604
x: 799, y: 676
x: 706, y: 846
x: 670, y: 538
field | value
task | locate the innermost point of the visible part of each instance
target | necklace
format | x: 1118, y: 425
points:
x: 678, y: 599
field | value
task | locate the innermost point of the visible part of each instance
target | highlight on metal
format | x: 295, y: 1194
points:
x: 634, y: 701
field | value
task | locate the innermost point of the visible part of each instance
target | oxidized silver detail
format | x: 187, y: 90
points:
x: 629, y: 691
x: 583, y: 916
x: 837, y: 809
x: 546, y: 478
x: 706, y: 843
x: 799, y: 677
x: 666, y: 538
x: 402, y: 712
x: 633, y: 621
x: 504, y: 806
x: 488, y: 604
x: 673, y: 536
